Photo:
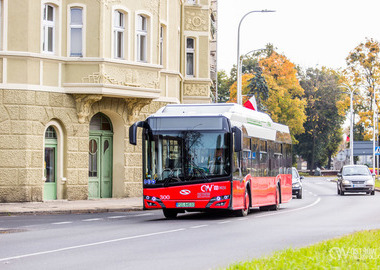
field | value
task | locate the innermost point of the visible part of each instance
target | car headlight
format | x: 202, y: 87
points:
x: 346, y: 182
x: 370, y: 182
x: 296, y: 185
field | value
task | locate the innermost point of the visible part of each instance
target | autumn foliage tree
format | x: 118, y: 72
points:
x: 277, y: 90
x: 284, y: 104
x: 363, y: 73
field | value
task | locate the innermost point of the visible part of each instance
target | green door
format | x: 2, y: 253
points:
x: 100, y: 158
x: 50, y: 165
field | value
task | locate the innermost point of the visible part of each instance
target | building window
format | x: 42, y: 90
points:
x: 118, y: 30
x: 142, y: 38
x: 161, y: 45
x: 191, y: 2
x: 190, y: 56
x: 48, y: 28
x: 76, y: 32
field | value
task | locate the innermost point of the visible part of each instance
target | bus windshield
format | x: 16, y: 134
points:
x: 175, y: 158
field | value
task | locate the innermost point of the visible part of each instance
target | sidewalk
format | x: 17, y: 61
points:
x: 72, y: 207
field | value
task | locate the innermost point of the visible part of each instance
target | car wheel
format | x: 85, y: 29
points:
x: 299, y: 195
x: 338, y: 190
x: 373, y: 192
x: 341, y: 193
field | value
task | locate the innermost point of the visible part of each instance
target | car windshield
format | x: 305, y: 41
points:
x: 295, y: 175
x: 174, y: 158
x: 355, y: 170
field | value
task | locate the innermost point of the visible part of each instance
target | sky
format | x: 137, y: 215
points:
x: 310, y: 33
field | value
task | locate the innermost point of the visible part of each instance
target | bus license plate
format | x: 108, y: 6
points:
x: 185, y: 204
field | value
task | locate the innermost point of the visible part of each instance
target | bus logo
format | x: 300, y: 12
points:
x: 185, y: 192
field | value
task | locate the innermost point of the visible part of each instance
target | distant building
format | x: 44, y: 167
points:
x: 75, y: 74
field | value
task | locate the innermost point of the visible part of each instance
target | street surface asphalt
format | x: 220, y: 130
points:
x: 146, y: 240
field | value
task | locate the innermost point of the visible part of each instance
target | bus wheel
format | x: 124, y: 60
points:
x: 244, y: 212
x: 170, y: 213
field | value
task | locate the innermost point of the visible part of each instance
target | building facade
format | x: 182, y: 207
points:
x: 75, y: 74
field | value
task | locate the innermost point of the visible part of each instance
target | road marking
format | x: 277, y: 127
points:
x: 224, y: 222
x: 142, y: 215
x: 199, y: 226
x: 92, y: 219
x: 117, y: 217
x: 241, y: 219
x: 292, y: 210
x: 63, y: 222
x: 89, y: 245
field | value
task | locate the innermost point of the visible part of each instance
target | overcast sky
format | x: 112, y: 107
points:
x: 310, y: 33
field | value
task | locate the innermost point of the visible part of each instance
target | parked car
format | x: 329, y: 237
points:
x: 355, y: 178
x: 296, y: 183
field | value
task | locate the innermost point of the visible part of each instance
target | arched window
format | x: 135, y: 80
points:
x: 100, y: 122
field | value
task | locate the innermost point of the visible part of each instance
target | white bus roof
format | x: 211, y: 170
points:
x: 255, y: 124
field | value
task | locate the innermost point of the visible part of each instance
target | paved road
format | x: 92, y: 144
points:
x: 145, y: 240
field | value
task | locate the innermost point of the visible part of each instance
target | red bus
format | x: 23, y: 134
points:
x: 203, y: 157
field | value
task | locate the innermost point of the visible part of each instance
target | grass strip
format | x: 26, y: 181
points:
x: 377, y: 183
x: 360, y: 250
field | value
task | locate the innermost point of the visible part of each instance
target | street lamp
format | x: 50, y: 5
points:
x: 351, y: 91
x: 238, y: 79
x: 242, y: 58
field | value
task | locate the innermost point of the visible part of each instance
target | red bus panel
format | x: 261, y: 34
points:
x: 216, y: 195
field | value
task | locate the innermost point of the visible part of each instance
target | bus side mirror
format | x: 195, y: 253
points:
x: 238, y: 138
x: 133, y: 131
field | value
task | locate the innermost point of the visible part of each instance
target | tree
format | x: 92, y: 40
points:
x: 284, y: 104
x: 224, y: 84
x: 323, y: 133
x: 244, y: 88
x: 258, y: 87
x: 363, y: 72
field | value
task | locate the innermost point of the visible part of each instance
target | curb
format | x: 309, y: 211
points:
x: 70, y: 211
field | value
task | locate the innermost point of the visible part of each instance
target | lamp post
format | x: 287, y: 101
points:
x: 351, y: 91
x: 238, y: 76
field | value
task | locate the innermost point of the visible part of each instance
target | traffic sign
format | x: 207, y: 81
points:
x: 377, y: 151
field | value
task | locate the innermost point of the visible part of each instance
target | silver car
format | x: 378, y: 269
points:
x: 355, y: 178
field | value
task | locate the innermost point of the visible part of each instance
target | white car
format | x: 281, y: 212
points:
x: 355, y: 178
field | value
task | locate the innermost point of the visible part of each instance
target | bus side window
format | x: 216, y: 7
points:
x: 246, y: 160
x: 237, y: 170
x: 255, y: 155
